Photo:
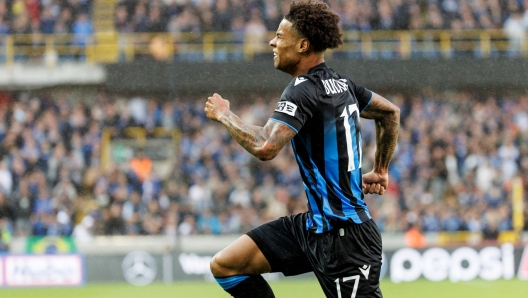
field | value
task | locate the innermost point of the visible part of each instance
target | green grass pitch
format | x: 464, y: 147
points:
x: 286, y: 288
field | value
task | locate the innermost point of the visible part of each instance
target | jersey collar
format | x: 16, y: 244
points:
x: 321, y: 66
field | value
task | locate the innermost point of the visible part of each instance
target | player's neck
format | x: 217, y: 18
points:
x: 308, y: 62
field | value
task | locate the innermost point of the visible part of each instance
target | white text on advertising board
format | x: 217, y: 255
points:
x: 463, y: 264
x: 43, y: 270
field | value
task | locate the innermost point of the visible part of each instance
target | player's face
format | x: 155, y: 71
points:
x: 285, y: 47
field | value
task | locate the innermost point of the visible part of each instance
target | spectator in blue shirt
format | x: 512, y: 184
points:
x: 82, y: 30
x: 208, y: 223
x: 47, y: 21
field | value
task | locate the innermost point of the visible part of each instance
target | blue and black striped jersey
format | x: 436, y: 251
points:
x: 323, y: 107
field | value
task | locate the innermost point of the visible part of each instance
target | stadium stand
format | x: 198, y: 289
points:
x: 32, y: 16
x: 61, y: 16
x: 221, y: 16
x: 116, y: 31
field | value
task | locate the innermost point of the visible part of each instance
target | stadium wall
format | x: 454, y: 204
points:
x: 260, y: 76
x: 27, y: 77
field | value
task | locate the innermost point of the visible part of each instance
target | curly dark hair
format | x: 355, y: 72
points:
x: 316, y: 22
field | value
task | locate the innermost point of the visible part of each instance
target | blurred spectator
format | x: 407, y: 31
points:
x: 121, y: 20
x: 256, y: 31
x: 47, y: 21
x: 133, y: 206
x: 82, y: 232
x: 155, y: 22
x: 139, y: 19
x: 222, y: 16
x: 141, y: 165
x: 208, y: 223
x: 491, y: 229
x: 188, y: 226
x: 6, y: 179
x: 7, y: 211
x: 114, y: 224
x: 515, y: 29
x: 82, y: 30
x: 199, y: 195
x: 6, y: 234
x: 414, y: 238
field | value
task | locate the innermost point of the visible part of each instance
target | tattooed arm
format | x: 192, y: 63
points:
x: 262, y: 142
x: 387, y: 118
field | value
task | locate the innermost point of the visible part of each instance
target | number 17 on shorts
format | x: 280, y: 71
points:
x: 350, y: 279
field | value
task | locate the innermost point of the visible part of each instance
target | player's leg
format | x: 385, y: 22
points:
x: 272, y: 247
x: 237, y: 269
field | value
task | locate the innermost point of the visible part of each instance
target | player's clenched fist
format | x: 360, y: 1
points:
x: 216, y: 107
x: 375, y: 183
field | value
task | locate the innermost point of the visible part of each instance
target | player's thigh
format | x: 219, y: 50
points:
x: 241, y: 257
x: 284, y: 243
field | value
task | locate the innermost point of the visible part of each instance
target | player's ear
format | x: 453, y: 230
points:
x: 304, y: 45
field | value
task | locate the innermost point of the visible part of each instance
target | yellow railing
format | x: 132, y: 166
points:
x: 101, y: 48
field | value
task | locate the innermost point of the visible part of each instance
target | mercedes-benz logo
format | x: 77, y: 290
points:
x: 139, y: 268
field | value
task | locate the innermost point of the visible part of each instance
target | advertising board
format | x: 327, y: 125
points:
x: 455, y: 264
x: 407, y: 264
x: 523, y: 265
x: 43, y: 270
x: 1, y: 272
x: 462, y: 264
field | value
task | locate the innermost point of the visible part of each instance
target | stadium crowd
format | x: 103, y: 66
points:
x: 249, y: 21
x: 46, y: 16
x: 257, y: 16
x: 452, y: 169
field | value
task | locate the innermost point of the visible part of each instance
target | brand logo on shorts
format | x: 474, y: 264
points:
x: 365, y: 270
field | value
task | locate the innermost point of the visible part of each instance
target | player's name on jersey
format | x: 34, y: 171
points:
x: 335, y: 86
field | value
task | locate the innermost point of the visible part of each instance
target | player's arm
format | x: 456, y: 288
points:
x: 387, y: 118
x: 262, y: 142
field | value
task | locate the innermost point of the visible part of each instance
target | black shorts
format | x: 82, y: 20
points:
x: 346, y: 260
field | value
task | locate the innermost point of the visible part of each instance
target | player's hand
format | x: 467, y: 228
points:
x: 375, y: 183
x: 216, y: 107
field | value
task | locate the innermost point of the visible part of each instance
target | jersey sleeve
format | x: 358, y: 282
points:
x: 296, y: 105
x: 363, y: 95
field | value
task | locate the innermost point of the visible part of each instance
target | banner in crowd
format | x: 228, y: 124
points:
x: 41, y: 270
x: 50, y: 245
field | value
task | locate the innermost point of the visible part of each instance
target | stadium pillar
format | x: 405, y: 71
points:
x: 518, y: 204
